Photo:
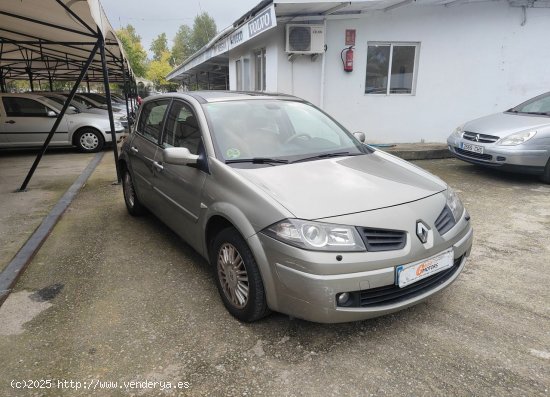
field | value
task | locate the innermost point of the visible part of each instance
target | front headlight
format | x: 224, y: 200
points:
x: 517, y: 139
x: 457, y: 133
x: 454, y: 203
x: 118, y: 125
x: 316, y: 235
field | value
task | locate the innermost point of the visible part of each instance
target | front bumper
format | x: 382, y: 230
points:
x: 121, y: 134
x: 507, y: 158
x: 304, y: 284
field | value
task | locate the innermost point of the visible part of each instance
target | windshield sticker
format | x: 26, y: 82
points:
x: 233, y: 153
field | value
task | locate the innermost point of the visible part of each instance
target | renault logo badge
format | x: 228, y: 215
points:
x: 477, y: 137
x: 422, y: 231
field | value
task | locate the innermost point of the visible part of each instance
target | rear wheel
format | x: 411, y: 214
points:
x: 89, y: 140
x: 238, y: 277
x: 133, y: 205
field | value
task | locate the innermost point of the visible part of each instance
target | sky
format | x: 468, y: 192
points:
x: 153, y: 17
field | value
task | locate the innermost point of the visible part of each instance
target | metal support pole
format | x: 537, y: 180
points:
x: 29, y: 72
x: 88, y: 82
x: 124, y: 82
x: 59, y: 117
x: 2, y: 81
x: 51, y: 82
x: 109, y: 104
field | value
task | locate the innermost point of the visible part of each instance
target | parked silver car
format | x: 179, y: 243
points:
x: 294, y: 213
x: 26, y: 119
x: 79, y: 107
x: 517, y: 140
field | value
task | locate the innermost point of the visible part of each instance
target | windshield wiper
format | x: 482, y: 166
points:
x: 539, y: 113
x: 326, y: 156
x: 257, y: 160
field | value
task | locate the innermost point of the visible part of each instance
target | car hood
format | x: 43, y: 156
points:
x: 504, y: 124
x: 331, y: 187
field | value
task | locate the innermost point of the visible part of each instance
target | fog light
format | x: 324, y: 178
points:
x: 342, y: 298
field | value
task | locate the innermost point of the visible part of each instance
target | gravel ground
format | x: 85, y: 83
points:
x: 112, y: 298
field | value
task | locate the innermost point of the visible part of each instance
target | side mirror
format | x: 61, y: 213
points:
x: 360, y: 136
x: 179, y: 156
x: 51, y: 113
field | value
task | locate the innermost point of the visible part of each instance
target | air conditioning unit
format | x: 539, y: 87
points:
x: 305, y: 39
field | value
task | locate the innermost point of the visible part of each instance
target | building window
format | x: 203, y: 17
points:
x: 391, y: 68
x: 239, y: 72
x: 260, y: 69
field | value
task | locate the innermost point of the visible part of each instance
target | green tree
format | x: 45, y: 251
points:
x: 181, y: 49
x: 159, y: 46
x: 137, y: 56
x: 204, y: 30
x: 158, y: 70
x: 188, y: 41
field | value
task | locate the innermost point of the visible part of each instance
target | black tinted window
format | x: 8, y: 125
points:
x: 151, y: 118
x: 24, y: 107
x: 182, y: 129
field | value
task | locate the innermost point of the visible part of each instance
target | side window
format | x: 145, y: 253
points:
x: 151, y: 118
x: 182, y: 129
x: 24, y: 107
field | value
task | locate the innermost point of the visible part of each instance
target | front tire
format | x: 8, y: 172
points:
x: 238, y: 277
x: 133, y: 205
x: 89, y: 140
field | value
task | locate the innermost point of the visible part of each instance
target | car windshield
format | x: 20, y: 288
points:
x: 539, y: 105
x: 61, y: 101
x: 276, y: 132
x: 56, y: 106
x: 96, y: 97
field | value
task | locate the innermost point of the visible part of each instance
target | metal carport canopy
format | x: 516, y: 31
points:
x: 67, y: 40
x: 52, y: 39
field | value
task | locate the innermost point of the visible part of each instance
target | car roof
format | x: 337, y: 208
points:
x: 222, y: 96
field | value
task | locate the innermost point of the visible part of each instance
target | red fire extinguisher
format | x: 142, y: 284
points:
x: 348, y: 62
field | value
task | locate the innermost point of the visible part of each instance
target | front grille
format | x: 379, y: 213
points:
x: 390, y: 294
x: 445, y: 221
x: 475, y: 155
x: 482, y: 138
x: 377, y: 240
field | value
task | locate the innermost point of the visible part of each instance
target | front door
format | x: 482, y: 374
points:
x: 143, y: 148
x: 180, y: 186
x: 25, y: 122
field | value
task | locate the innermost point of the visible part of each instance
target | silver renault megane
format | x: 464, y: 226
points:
x: 294, y: 213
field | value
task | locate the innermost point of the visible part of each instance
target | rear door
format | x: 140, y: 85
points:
x: 143, y: 147
x: 180, y: 186
x: 27, y: 123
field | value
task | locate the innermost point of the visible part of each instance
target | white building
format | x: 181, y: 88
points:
x: 420, y: 68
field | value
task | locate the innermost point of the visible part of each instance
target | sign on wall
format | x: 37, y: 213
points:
x: 350, y: 36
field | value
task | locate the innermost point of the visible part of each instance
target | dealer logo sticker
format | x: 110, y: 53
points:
x: 422, y: 231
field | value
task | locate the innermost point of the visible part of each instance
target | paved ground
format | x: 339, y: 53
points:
x: 114, y: 298
x: 21, y: 213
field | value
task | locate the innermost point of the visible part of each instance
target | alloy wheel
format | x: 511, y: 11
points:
x: 233, y: 275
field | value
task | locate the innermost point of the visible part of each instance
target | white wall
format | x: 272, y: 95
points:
x: 474, y: 60
x: 271, y: 42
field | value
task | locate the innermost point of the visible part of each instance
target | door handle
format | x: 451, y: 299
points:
x: 134, y: 149
x: 10, y: 122
x: 158, y: 165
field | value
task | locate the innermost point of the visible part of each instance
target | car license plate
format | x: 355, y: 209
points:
x: 413, y: 272
x: 472, y: 148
